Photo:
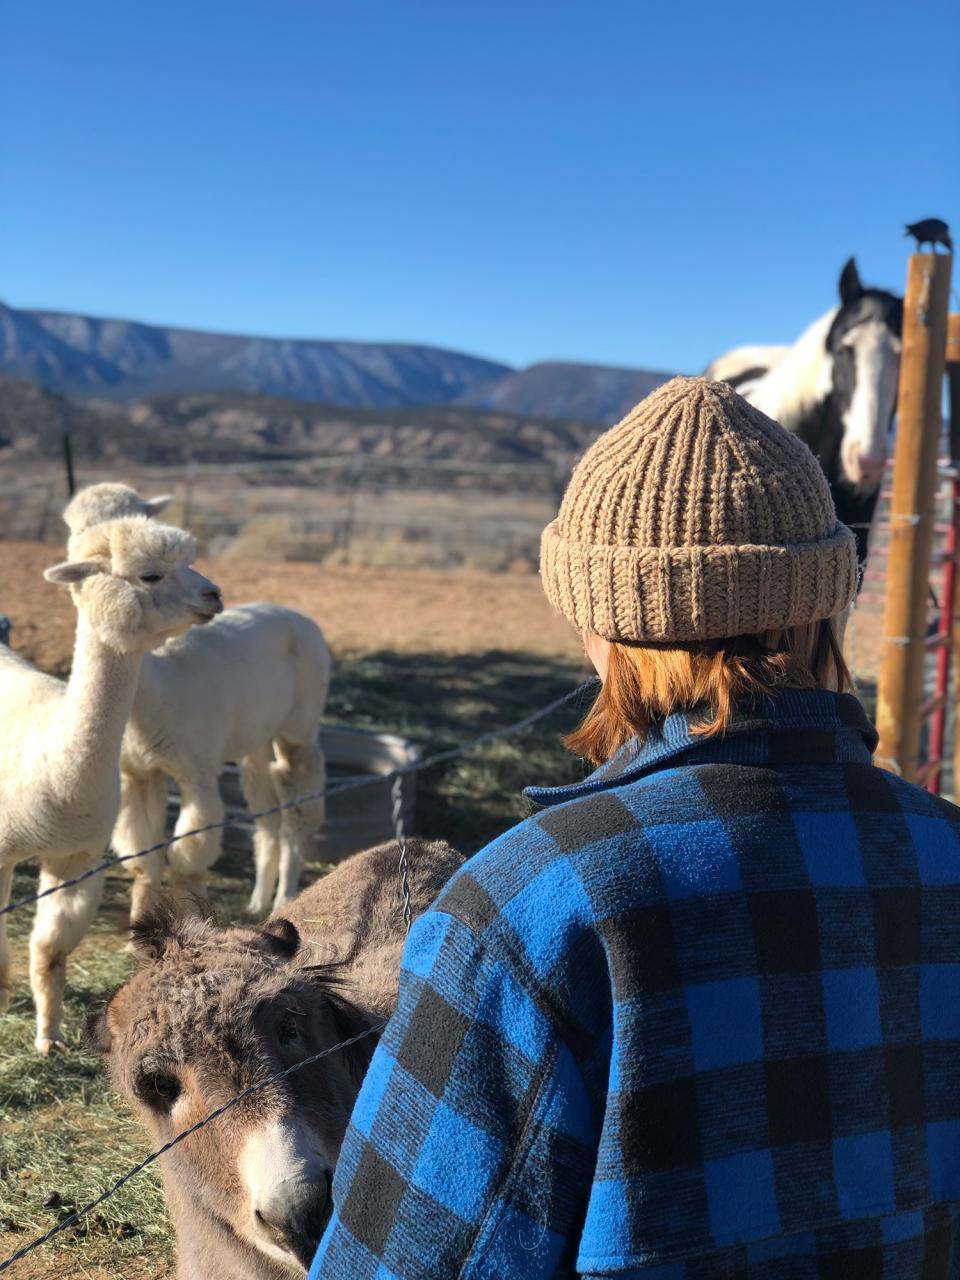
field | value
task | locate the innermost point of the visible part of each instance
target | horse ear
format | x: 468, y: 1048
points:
x: 851, y: 290
x: 97, y: 1035
x: 283, y: 938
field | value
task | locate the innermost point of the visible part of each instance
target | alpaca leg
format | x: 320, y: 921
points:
x: 6, y: 880
x: 143, y: 811
x: 259, y: 794
x: 299, y: 770
x: 191, y: 857
x: 60, y: 923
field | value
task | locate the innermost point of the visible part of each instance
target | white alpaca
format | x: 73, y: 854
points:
x: 253, y: 691
x: 60, y: 746
x: 101, y: 502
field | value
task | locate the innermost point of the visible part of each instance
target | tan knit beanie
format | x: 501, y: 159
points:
x: 696, y: 518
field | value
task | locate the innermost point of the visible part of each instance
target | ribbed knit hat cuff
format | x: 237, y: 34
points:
x: 688, y: 593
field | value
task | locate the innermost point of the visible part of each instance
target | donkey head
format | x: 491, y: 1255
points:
x: 209, y: 1014
x: 864, y: 343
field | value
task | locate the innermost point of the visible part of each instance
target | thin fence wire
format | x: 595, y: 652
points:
x: 402, y: 867
x: 354, y: 784
x: 441, y: 757
x: 112, y: 1190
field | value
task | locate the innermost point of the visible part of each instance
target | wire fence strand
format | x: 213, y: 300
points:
x: 112, y: 1190
x: 354, y: 784
x: 397, y: 776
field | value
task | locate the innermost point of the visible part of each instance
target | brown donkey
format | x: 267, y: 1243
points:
x: 211, y: 1011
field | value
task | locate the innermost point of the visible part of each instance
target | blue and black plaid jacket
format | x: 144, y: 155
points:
x: 699, y: 1017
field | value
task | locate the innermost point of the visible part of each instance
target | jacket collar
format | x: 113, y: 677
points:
x: 793, y: 726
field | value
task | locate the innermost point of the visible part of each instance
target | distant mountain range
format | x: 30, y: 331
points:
x: 123, y: 360
x: 581, y: 392
x: 226, y: 427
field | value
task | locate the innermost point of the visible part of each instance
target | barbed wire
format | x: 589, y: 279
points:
x: 397, y: 775
x: 121, y: 1182
x: 370, y: 780
x: 402, y: 867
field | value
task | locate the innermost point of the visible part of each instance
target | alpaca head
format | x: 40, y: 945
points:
x: 132, y: 581
x: 101, y: 502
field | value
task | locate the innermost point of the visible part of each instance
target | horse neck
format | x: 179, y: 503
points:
x: 800, y: 382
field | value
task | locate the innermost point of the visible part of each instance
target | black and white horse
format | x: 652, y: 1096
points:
x: 836, y: 388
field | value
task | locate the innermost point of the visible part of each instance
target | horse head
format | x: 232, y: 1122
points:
x: 863, y: 343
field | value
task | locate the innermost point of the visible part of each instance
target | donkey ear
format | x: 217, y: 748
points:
x: 153, y: 506
x: 97, y: 1035
x: 283, y: 938
x: 153, y: 932
x: 72, y: 571
x: 851, y: 290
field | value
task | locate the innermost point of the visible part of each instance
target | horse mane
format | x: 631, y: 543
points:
x: 799, y: 382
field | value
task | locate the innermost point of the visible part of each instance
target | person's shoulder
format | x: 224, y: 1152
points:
x: 550, y: 860
x: 867, y: 783
x: 507, y: 867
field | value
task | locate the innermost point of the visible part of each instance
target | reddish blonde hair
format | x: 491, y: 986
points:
x: 646, y: 682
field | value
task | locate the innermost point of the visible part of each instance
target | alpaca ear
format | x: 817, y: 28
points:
x: 283, y: 938
x: 153, y: 506
x: 851, y: 290
x: 97, y: 1035
x: 72, y: 571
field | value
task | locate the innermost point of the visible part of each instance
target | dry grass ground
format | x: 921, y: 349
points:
x: 361, y: 610
x: 438, y: 657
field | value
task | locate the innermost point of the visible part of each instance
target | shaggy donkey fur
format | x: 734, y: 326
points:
x: 213, y: 1010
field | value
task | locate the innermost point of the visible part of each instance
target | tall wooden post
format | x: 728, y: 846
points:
x: 912, y: 511
x: 953, y: 383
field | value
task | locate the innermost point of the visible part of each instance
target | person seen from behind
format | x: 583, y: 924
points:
x: 698, y: 1016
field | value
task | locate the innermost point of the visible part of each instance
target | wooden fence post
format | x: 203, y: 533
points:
x: 912, y: 511
x: 953, y: 384
x: 68, y: 464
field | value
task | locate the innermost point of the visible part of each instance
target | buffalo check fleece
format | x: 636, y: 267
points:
x: 698, y: 1017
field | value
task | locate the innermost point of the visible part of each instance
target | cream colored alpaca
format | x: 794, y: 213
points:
x: 251, y: 688
x: 100, y: 502
x: 134, y: 589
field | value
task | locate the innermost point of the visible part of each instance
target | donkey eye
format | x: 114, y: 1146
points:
x: 287, y: 1029
x: 158, y: 1090
x: 151, y: 577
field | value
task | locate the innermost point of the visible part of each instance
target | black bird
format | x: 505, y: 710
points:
x: 931, y: 231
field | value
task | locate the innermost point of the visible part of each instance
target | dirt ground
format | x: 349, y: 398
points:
x: 424, y: 653
x: 361, y: 610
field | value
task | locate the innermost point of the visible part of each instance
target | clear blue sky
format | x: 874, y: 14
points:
x: 632, y: 183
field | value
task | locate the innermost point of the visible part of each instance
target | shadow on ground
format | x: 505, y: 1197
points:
x: 62, y: 1130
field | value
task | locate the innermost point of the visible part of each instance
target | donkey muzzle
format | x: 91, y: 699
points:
x: 293, y: 1217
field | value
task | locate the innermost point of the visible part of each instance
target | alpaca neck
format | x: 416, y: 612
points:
x: 95, y: 709
x: 801, y: 380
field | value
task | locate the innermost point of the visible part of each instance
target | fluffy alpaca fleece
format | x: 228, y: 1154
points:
x: 134, y: 589
x: 251, y: 689
x: 101, y: 502
x: 213, y: 1010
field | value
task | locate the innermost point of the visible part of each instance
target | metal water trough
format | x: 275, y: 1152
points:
x: 358, y: 818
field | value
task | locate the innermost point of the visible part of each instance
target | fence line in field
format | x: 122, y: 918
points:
x: 152, y: 1158
x: 397, y: 775
x: 394, y: 775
